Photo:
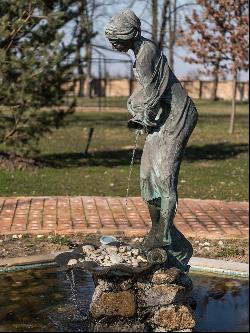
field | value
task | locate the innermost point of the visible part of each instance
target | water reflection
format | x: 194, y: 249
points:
x: 222, y: 304
x: 43, y: 301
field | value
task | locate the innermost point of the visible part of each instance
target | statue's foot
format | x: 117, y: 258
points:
x: 151, y: 242
x: 157, y: 256
x: 154, y: 249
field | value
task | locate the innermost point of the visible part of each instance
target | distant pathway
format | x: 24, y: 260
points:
x: 101, y: 109
x: 106, y: 215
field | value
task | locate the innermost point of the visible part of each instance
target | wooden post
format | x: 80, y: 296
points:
x: 91, y: 131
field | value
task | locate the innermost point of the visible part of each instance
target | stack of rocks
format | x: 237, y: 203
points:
x: 106, y: 255
x: 157, y: 302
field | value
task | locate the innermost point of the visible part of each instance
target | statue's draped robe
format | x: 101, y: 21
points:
x: 161, y: 104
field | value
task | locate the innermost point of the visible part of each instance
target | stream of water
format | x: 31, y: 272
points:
x: 130, y: 172
x: 71, y: 278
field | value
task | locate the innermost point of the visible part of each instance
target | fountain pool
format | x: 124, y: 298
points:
x: 42, y: 300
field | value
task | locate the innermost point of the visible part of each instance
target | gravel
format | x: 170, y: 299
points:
x: 107, y: 255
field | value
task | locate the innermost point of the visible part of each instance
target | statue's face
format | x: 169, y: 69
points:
x: 121, y: 45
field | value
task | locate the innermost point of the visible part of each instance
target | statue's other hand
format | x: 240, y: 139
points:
x: 148, y: 122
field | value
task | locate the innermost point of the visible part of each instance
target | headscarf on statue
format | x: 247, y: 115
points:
x: 125, y: 25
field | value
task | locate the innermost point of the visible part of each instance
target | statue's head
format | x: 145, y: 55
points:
x: 123, y: 30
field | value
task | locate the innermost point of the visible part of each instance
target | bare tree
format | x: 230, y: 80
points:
x: 172, y: 25
x: 83, y: 12
x: 164, y: 14
x: 163, y: 23
x: 154, y: 11
x: 86, y: 14
x: 217, y: 37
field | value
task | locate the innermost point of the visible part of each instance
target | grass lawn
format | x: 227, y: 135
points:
x: 215, y: 164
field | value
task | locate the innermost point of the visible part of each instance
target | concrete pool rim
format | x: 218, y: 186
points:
x: 198, y: 264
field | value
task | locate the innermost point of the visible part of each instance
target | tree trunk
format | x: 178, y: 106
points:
x: 80, y: 42
x: 200, y: 89
x: 215, y: 87
x: 80, y: 74
x: 88, y: 70
x: 233, y: 111
x: 154, y: 9
x: 216, y: 78
x: 163, y: 23
x: 172, y: 34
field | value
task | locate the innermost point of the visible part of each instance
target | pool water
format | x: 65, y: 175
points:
x: 43, y: 300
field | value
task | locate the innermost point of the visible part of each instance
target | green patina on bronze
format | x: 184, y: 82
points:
x: 162, y: 110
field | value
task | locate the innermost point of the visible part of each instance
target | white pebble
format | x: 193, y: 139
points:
x: 72, y: 262
x: 135, y: 263
x: 112, y: 249
x: 116, y: 259
x: 88, y: 249
x: 220, y: 243
x: 122, y: 249
x: 206, y: 244
x: 128, y: 260
x: 140, y: 258
x: 135, y: 252
x: 39, y: 236
x: 14, y: 236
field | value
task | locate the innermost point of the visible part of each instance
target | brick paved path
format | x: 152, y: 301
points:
x: 106, y: 215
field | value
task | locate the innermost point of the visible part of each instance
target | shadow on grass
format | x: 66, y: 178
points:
x: 113, y: 120
x: 112, y: 158
x: 218, y: 151
x: 96, y: 119
x: 108, y: 158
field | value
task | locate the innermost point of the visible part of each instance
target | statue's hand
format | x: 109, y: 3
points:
x: 135, y: 124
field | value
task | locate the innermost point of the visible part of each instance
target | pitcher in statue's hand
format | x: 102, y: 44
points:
x: 161, y: 109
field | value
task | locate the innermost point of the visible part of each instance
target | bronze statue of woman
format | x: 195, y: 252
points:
x: 161, y: 108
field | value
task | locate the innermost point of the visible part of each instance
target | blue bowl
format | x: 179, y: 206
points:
x: 108, y: 239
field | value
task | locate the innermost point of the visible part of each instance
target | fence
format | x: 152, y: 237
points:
x: 204, y: 89
x: 196, y: 89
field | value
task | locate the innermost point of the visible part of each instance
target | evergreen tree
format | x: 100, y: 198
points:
x: 34, y: 69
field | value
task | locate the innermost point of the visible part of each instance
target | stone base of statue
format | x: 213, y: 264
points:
x: 132, y: 294
x: 158, y: 302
